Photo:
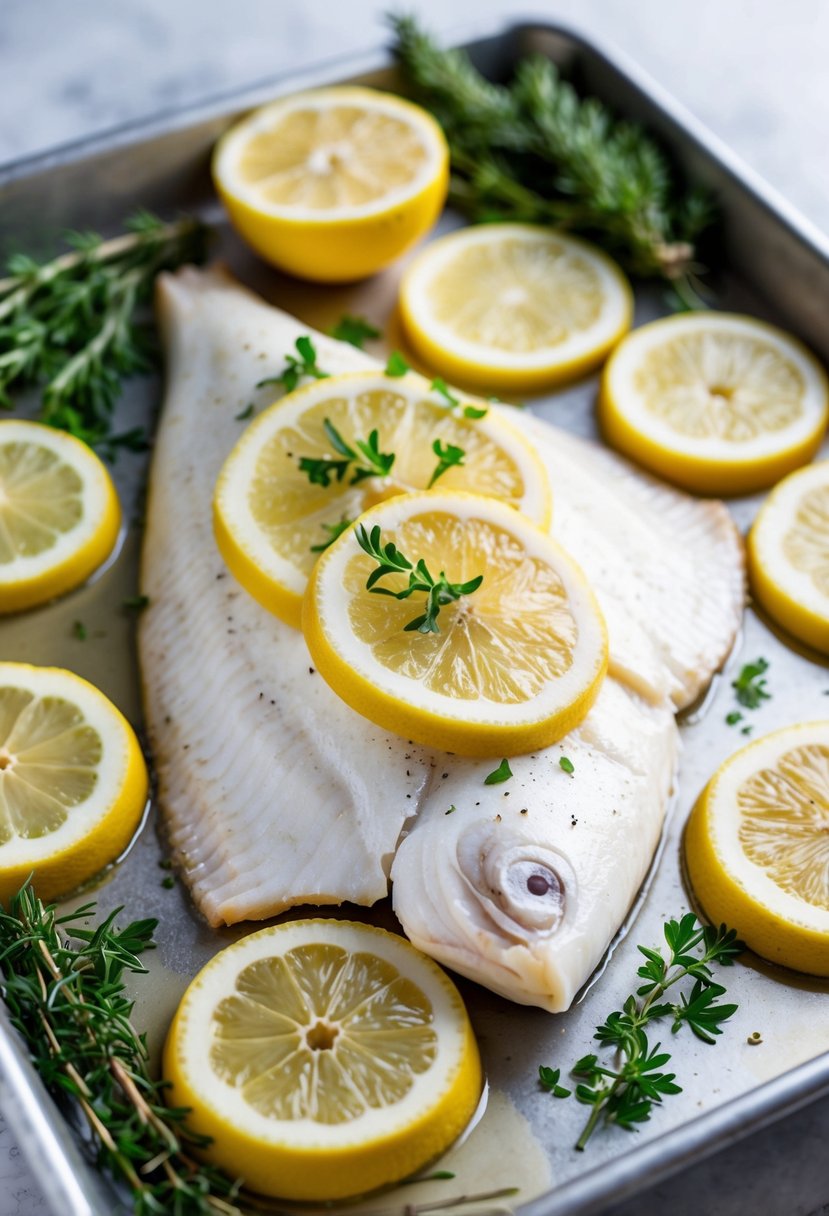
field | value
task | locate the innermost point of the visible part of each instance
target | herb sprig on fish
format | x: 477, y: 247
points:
x: 439, y: 591
x: 73, y: 325
x: 535, y: 151
x: 624, y: 1090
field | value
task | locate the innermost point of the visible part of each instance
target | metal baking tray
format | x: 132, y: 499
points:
x: 770, y: 263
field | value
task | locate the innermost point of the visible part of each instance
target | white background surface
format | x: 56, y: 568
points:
x: 755, y: 71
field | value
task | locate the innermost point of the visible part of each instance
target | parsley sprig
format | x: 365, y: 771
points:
x: 74, y: 325
x: 354, y: 330
x: 439, y: 591
x: 452, y: 400
x: 303, y: 363
x: 750, y: 687
x: 363, y: 460
x: 626, y: 1092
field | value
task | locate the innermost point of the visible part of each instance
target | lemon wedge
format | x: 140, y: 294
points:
x: 513, y: 307
x: 325, y: 1058
x: 718, y: 403
x: 73, y: 783
x: 514, y: 665
x: 270, y: 518
x: 757, y: 846
x: 788, y: 555
x: 335, y: 183
x: 59, y: 514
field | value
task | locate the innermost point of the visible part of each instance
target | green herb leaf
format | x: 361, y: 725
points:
x: 451, y: 810
x: 73, y: 325
x: 471, y: 411
x: 365, y: 457
x: 246, y: 413
x: 750, y: 687
x: 354, y: 330
x: 333, y: 530
x: 396, y: 365
x: 136, y: 603
x: 304, y: 363
x: 79, y: 631
x: 440, y: 386
x: 448, y: 455
x: 548, y: 1079
x: 567, y: 764
x: 502, y: 773
x: 439, y: 591
x: 625, y: 1092
x: 733, y: 718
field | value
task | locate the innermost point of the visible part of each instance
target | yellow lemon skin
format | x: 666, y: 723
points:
x: 343, y: 250
x: 64, y: 871
x: 78, y: 566
x: 724, y: 900
x: 322, y: 1173
x: 279, y: 600
x: 712, y: 478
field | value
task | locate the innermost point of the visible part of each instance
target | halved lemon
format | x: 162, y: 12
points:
x: 718, y: 403
x: 335, y: 183
x: 788, y: 555
x: 514, y: 306
x: 73, y: 783
x: 757, y: 846
x: 59, y: 514
x: 325, y: 1058
x: 514, y: 665
x: 269, y: 516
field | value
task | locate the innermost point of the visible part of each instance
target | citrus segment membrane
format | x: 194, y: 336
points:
x: 757, y: 846
x: 59, y: 514
x: 73, y: 784
x: 325, y: 1058
x: 517, y: 661
x: 716, y: 402
x: 271, y: 518
x: 513, y: 305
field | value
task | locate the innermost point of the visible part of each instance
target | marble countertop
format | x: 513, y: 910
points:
x: 753, y: 70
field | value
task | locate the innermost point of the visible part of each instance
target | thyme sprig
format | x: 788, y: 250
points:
x: 535, y: 151
x: 63, y: 985
x: 72, y: 325
x: 333, y: 531
x: 303, y: 363
x: 449, y: 456
x: 625, y: 1093
x: 439, y: 591
x: 363, y: 460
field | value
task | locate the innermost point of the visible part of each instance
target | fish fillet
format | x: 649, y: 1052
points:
x: 275, y: 793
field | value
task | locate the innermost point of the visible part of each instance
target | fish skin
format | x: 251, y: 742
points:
x: 273, y: 791
x: 303, y: 800
x: 459, y: 879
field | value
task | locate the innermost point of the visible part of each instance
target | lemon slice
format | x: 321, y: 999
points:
x: 333, y: 184
x: 515, y: 665
x: 788, y: 555
x: 268, y: 515
x: 325, y: 1058
x: 757, y: 846
x: 720, y: 404
x: 73, y: 783
x: 513, y: 306
x: 59, y: 514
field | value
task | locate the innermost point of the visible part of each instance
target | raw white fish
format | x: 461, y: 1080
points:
x: 275, y: 793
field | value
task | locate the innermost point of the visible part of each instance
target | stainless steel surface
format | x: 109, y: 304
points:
x: 768, y: 254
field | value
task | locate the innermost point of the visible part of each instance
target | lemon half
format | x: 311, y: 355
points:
x: 515, y: 665
x: 757, y: 846
x: 335, y: 183
x: 268, y: 515
x: 718, y: 403
x: 73, y: 783
x: 59, y: 514
x: 325, y: 1058
x: 788, y: 555
x: 514, y: 307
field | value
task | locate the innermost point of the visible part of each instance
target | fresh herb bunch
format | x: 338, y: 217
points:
x: 534, y: 151
x: 73, y: 326
x: 64, y: 989
x: 626, y: 1093
x: 439, y: 591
